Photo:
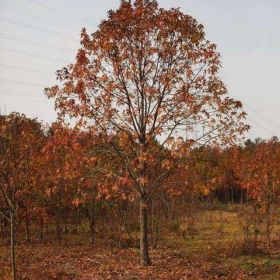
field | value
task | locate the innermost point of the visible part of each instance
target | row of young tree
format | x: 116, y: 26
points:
x: 50, y: 175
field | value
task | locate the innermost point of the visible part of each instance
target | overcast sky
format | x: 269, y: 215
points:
x: 37, y: 37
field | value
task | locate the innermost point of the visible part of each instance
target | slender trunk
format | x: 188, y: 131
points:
x: 66, y: 230
x: 144, y: 252
x: 128, y: 231
x: 255, y: 226
x: 13, y: 251
x: 268, y: 223
x: 152, y: 222
x: 58, y: 229
x: 27, y: 229
x: 156, y: 230
x: 92, y: 222
x: 126, y: 219
x: 65, y: 220
x: 4, y: 227
x: 41, y: 229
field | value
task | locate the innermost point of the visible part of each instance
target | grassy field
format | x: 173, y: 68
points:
x: 208, y: 245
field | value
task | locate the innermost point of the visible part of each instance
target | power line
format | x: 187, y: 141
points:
x: 33, y: 55
x: 26, y: 91
x: 38, y: 29
x: 262, y: 116
x: 73, y: 15
x: 19, y: 94
x: 23, y: 69
x: 17, y: 82
x: 258, y: 113
x: 40, y: 44
x: 39, y: 18
x: 262, y: 127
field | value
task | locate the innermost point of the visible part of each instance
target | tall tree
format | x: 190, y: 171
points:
x: 148, y: 74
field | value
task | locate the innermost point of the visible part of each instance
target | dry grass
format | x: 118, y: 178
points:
x: 212, y: 248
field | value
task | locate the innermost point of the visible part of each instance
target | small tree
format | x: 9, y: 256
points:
x: 64, y: 158
x: 260, y: 177
x: 148, y: 74
x: 20, y: 141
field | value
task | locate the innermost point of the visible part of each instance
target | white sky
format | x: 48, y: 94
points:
x: 39, y: 37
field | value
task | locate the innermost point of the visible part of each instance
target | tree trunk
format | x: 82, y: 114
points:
x: 58, y: 229
x: 41, y: 229
x: 92, y: 222
x: 151, y: 223
x: 13, y: 252
x: 65, y: 219
x: 256, y: 231
x: 4, y: 228
x: 66, y: 230
x: 27, y: 229
x: 144, y: 252
x: 156, y: 230
x: 268, y: 223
